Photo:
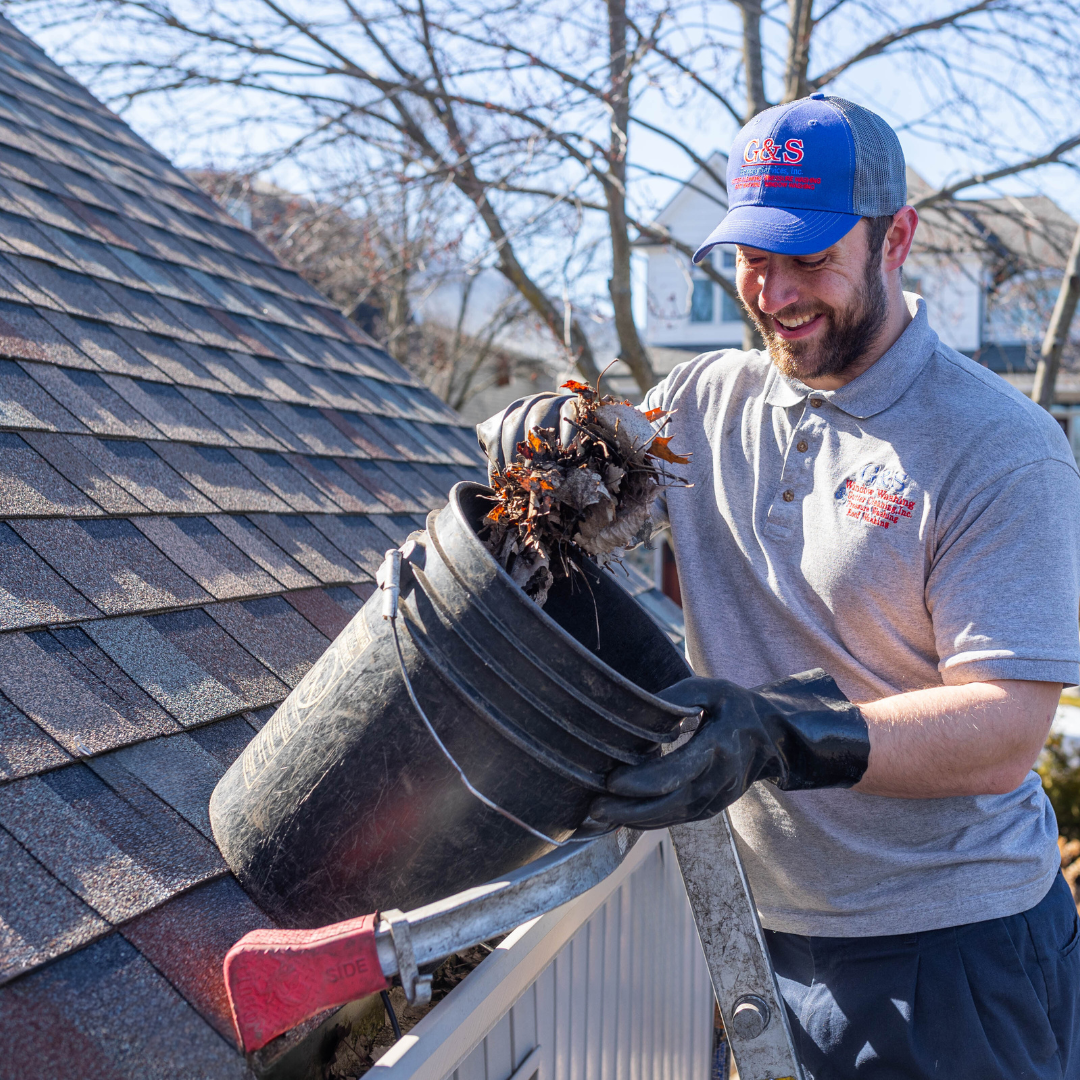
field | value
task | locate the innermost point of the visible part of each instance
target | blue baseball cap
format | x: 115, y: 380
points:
x: 801, y: 175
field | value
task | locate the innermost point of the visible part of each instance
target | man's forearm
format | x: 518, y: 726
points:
x: 977, y: 739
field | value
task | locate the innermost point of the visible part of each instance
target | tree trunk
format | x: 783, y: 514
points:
x: 800, y: 29
x: 752, y: 61
x: 631, y: 350
x: 1057, y: 333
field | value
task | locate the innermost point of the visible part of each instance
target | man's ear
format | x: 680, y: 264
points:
x: 899, y: 237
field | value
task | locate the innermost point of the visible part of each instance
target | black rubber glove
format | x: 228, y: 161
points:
x: 800, y: 733
x: 500, y: 434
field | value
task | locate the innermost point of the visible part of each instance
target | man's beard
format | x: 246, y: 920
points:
x: 847, y: 338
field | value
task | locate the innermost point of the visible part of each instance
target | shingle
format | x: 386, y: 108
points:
x: 171, y: 359
x: 355, y: 428
x: 220, y: 476
x: 441, y: 478
x: 356, y: 536
x: 340, y: 485
x: 31, y: 592
x: 318, y: 435
x: 257, y: 718
x: 139, y: 471
x: 207, y: 556
x: 415, y: 478
x: 226, y: 739
x: 257, y: 410
x: 26, y: 238
x: 396, y: 526
x: 321, y: 610
x: 326, y: 386
x: 119, y: 858
x: 42, y: 206
x: 187, y: 938
x: 297, y: 537
x: 387, y: 486
x: 29, y: 485
x: 24, y: 747
x: 199, y: 638
x: 110, y: 227
x: 211, y: 327
x: 164, y: 671
x: 275, y: 379
x: 109, y: 351
x: 179, y: 772
x: 88, y: 256
x: 168, y: 410
x: 432, y: 446
x: 407, y: 446
x: 77, y: 294
x: 39, y: 918
x: 87, y: 396
x: 105, y: 1012
x: 70, y: 460
x: 351, y: 598
x: 465, y: 438
x: 223, y: 411
x: 151, y: 313
x: 154, y: 272
x: 262, y: 550
x: 25, y: 335
x: 19, y: 289
x: 73, y: 650
x: 284, y: 480
x: 273, y: 632
x: 224, y: 367
x: 24, y: 404
x: 111, y: 563
x: 30, y: 170
x: 83, y: 709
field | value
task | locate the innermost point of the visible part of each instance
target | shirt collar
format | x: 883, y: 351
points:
x: 881, y: 384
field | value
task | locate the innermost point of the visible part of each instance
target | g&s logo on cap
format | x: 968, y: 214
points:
x: 768, y: 152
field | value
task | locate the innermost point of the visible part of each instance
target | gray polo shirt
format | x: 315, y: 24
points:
x: 919, y: 526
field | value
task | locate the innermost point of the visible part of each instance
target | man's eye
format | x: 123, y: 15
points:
x: 810, y: 264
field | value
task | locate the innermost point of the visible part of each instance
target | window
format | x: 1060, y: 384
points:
x: 701, y: 302
x: 728, y: 258
x: 730, y: 310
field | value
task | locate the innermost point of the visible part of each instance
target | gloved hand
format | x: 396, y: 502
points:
x: 800, y: 732
x: 499, y: 434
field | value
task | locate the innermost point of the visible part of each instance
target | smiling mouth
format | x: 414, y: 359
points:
x: 797, y: 327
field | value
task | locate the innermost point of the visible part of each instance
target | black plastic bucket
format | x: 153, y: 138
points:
x: 343, y: 804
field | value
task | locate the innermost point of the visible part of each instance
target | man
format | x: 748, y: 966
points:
x: 867, y: 501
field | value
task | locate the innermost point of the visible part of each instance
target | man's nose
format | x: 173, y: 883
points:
x: 778, y: 290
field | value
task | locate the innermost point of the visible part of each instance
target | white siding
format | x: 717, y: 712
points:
x: 952, y: 287
x: 625, y: 995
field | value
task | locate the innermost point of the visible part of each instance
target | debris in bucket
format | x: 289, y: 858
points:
x: 592, y: 496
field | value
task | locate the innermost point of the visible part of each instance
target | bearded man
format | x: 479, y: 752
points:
x: 869, y: 502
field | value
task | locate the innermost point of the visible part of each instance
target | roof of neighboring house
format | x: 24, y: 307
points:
x: 201, y: 465
x: 1016, y: 233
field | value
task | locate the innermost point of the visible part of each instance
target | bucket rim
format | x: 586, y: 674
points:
x: 454, y: 502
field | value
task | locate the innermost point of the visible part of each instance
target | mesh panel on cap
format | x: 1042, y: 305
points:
x: 880, y: 175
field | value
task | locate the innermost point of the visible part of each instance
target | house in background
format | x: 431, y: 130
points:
x: 990, y: 270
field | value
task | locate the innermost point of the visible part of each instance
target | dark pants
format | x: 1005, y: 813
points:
x: 994, y: 1000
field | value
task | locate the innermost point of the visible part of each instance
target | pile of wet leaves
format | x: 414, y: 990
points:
x: 590, y: 497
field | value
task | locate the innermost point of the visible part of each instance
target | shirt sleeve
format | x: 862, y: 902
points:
x: 1004, y: 587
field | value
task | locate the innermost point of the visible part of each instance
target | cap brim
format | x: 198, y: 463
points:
x: 776, y: 229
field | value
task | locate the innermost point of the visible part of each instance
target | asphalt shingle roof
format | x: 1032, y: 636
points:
x: 201, y: 466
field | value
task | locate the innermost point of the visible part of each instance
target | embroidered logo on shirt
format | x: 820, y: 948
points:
x: 877, y: 495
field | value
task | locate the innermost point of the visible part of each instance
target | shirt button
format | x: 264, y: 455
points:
x: 816, y: 402
x: 802, y: 447
x: 789, y: 495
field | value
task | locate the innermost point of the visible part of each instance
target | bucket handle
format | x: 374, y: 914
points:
x: 389, y: 581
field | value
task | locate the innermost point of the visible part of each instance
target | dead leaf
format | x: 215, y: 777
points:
x: 659, y: 448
